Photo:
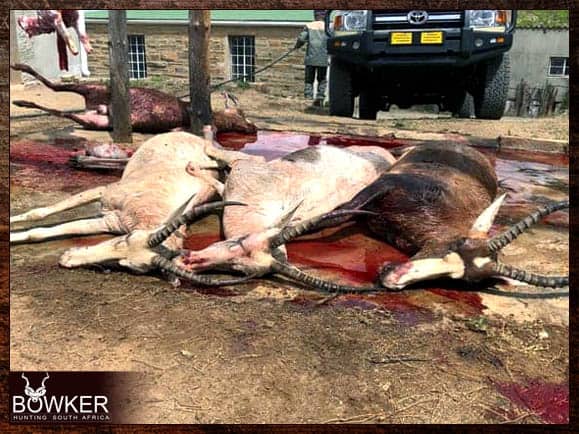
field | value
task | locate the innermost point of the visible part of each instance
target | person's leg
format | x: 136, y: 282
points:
x: 321, y: 72
x: 309, y: 79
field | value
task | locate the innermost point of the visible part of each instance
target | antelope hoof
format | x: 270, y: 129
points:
x: 69, y: 259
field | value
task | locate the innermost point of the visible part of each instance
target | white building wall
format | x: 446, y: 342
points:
x: 530, y: 55
x: 41, y: 53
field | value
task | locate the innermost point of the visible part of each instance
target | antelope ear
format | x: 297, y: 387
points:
x: 484, y: 221
x: 208, y: 133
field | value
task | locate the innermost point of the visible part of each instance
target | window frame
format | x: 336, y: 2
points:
x: 240, y: 69
x: 565, y: 67
x: 137, y: 73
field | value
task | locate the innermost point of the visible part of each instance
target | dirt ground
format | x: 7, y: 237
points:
x: 271, y: 352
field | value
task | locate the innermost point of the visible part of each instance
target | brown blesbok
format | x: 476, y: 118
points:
x: 152, y: 111
x: 437, y: 203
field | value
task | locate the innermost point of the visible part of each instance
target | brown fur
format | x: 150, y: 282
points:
x: 431, y: 196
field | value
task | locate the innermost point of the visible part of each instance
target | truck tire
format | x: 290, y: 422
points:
x: 490, y: 99
x: 368, y: 105
x: 341, y: 89
x: 463, y: 106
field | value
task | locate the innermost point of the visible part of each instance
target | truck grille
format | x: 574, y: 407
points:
x: 387, y: 19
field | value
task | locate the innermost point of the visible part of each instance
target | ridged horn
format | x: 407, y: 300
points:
x: 299, y: 276
x: 186, y: 218
x: 25, y: 379
x: 505, y: 270
x: 165, y: 264
x: 502, y: 240
x: 292, y: 232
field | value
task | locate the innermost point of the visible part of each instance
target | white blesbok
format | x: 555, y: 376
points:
x: 154, y: 187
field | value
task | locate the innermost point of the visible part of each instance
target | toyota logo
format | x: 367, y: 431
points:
x: 417, y: 17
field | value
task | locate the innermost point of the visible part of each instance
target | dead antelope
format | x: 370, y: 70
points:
x: 152, y: 111
x: 153, y: 188
x: 437, y: 203
x: 280, y: 197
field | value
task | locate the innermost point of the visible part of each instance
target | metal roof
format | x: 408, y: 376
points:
x: 270, y: 16
x: 257, y: 16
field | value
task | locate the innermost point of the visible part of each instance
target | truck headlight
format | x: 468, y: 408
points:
x: 349, y: 21
x: 490, y: 20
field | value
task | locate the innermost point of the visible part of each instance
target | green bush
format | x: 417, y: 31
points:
x: 556, y: 18
x: 242, y: 84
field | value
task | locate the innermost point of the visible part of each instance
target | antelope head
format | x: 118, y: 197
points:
x: 473, y: 257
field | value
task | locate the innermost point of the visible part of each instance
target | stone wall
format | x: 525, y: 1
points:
x: 166, y: 53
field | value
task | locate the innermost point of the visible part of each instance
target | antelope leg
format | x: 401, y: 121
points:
x: 63, y: 32
x: 203, y: 175
x: 57, y: 87
x: 91, y: 119
x: 71, y: 202
x: 107, y: 251
x: 100, y: 225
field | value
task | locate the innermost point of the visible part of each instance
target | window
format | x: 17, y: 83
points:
x: 137, y: 58
x: 242, y: 50
x: 559, y: 66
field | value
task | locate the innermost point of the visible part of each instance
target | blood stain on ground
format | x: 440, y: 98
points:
x: 548, y: 401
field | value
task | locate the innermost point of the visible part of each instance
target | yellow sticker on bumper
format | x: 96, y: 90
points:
x: 431, y: 38
x: 397, y: 38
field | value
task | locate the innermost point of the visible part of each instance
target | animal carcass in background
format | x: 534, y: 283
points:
x: 154, y: 187
x: 57, y: 20
x: 101, y: 156
x: 438, y: 203
x: 152, y: 111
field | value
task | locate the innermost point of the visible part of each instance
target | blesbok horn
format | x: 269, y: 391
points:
x: 167, y: 265
x: 186, y: 218
x: 502, y: 240
x: 509, y: 271
x: 292, y: 232
x: 298, y: 275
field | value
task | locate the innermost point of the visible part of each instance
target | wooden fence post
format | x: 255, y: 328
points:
x: 120, y: 110
x: 199, y: 31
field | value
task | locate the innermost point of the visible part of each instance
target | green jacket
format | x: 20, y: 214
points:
x: 316, y: 51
